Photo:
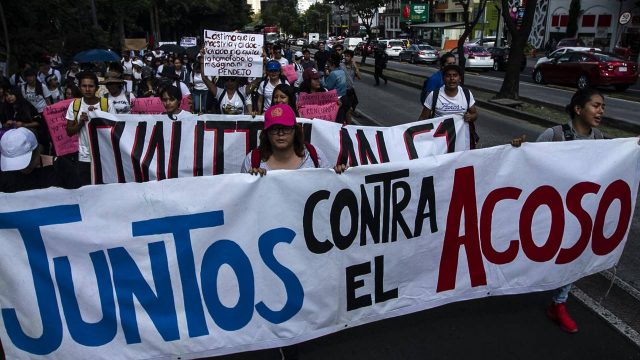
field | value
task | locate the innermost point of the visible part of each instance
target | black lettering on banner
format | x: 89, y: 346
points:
x: 380, y: 294
x: 219, y: 128
x: 352, y: 272
x: 427, y: 195
x: 398, y: 205
x: 136, y: 151
x: 313, y: 244
x: 344, y: 199
x: 117, y: 129
x: 346, y: 154
x: 307, y: 129
x: 410, y: 134
x: 364, y: 148
x: 174, y: 151
x: 251, y: 128
x: 156, y: 144
x: 382, y: 147
x: 199, y: 148
x: 386, y: 179
x: 370, y: 219
x: 447, y: 129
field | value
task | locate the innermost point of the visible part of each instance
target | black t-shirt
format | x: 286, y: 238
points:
x: 60, y: 174
x: 321, y: 58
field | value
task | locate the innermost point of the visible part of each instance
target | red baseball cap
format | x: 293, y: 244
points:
x: 280, y: 114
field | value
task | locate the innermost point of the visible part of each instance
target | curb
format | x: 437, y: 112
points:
x: 615, y: 123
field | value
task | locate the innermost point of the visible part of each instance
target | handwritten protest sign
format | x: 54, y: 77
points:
x: 290, y: 72
x: 232, y: 54
x: 318, y: 98
x: 153, y: 105
x: 324, y: 112
x: 320, y: 105
x: 54, y: 115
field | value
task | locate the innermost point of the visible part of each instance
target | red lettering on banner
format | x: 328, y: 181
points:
x: 618, y: 190
x: 463, y: 201
x: 544, y: 195
x: 574, y: 205
x: 491, y: 254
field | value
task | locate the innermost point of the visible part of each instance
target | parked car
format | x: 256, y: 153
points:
x: 584, y: 69
x: 351, y: 43
x: 557, y: 53
x: 392, y: 47
x: 501, y: 58
x: 301, y: 42
x: 570, y: 42
x: 419, y: 53
x: 477, y: 57
x: 360, y: 48
x: 486, y: 42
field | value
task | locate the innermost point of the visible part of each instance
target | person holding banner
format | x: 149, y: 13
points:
x: 77, y: 117
x: 282, y: 146
x: 268, y: 83
x: 171, y: 100
x: 232, y: 99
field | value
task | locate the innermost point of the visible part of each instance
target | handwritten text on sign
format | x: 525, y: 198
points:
x: 232, y: 54
x: 325, y: 112
x: 54, y: 115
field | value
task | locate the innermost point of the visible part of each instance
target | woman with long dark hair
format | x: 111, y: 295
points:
x: 285, y: 94
x: 17, y: 112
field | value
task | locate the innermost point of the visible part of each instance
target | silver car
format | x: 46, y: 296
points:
x: 419, y: 53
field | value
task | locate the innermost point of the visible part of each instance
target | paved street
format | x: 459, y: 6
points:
x: 505, y: 327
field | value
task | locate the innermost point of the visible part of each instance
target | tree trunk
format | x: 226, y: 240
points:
x: 121, y: 35
x: 6, y: 37
x: 157, y: 21
x: 511, y: 84
x: 94, y: 14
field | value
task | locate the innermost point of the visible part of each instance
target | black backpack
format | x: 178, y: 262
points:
x: 424, y: 92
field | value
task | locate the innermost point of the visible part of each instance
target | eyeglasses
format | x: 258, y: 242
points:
x: 280, y: 130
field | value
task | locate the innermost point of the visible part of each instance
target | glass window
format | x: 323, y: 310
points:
x: 588, y: 20
x: 604, y: 20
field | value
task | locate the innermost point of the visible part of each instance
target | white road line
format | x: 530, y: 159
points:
x: 635, y: 293
x: 606, y: 315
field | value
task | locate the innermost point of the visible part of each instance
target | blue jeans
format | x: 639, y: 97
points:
x: 560, y: 295
x: 200, y: 101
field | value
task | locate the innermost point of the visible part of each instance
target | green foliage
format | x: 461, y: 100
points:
x: 574, y: 15
x: 315, y: 18
x: 283, y: 13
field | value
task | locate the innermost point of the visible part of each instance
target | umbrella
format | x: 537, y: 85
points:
x: 172, y: 48
x: 96, y: 55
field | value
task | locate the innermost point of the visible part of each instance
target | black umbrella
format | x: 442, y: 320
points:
x: 192, y: 52
x: 96, y: 55
x: 172, y: 48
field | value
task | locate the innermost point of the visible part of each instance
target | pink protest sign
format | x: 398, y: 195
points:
x: 290, y: 72
x: 325, y: 112
x: 55, y: 117
x: 318, y: 98
x: 153, y: 105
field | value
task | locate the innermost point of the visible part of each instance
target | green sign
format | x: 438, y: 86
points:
x: 414, y: 13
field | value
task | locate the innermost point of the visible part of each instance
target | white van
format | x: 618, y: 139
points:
x: 351, y: 43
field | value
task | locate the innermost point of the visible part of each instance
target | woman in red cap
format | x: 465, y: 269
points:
x: 282, y: 146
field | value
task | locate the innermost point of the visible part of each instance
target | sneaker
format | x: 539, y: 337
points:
x: 559, y: 314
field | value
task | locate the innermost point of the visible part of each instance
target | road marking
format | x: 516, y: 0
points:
x: 607, y: 315
x: 635, y: 293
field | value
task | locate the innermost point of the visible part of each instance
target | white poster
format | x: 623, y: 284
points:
x: 188, y: 42
x: 137, y: 148
x: 232, y: 54
x: 204, y: 266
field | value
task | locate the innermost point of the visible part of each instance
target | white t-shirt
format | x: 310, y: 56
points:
x: 233, y: 106
x: 183, y: 88
x: 283, y: 61
x: 299, y: 71
x: 37, y: 100
x: 267, y: 92
x: 84, y: 154
x: 56, y: 95
x: 184, y: 115
x: 120, y: 103
x: 446, y: 105
x: 127, y: 66
x: 198, y: 83
x: 42, y: 77
x: 307, y: 162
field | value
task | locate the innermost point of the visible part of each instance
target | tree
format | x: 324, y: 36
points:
x: 366, y: 10
x: 574, y: 14
x: 283, y: 13
x: 469, y: 24
x: 311, y: 20
x: 519, y: 36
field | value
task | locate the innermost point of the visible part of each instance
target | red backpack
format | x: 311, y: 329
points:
x: 256, y: 156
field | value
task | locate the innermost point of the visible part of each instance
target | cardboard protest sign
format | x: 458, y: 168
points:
x: 153, y: 105
x: 172, y: 269
x: 54, y: 116
x: 290, y: 73
x: 327, y: 112
x: 232, y: 54
x: 318, y: 98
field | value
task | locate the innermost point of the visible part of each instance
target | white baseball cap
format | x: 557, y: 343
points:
x: 298, y: 54
x: 16, y: 146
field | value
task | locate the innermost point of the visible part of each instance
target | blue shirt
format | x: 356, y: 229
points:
x: 337, y: 80
x: 435, y: 81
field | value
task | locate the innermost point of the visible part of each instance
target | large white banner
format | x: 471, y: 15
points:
x: 138, y: 148
x: 232, y: 54
x: 221, y: 264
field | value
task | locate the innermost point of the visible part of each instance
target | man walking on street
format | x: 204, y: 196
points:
x: 321, y: 56
x: 380, y: 63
